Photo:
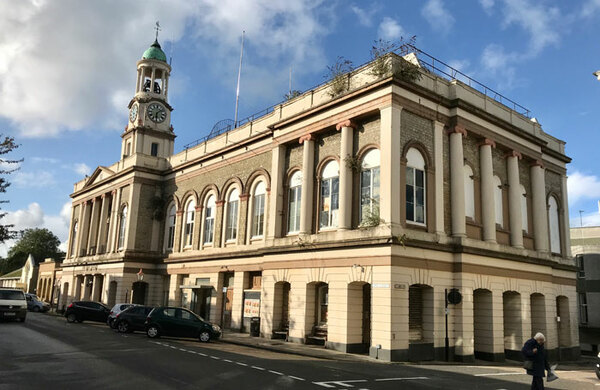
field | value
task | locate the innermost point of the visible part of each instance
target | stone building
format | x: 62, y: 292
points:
x: 340, y: 217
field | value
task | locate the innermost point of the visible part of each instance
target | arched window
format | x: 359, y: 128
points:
x: 170, y: 228
x: 498, y: 201
x: 294, y: 197
x: 369, y: 186
x: 524, y: 219
x: 231, y: 226
x: 469, y: 193
x: 415, y: 186
x: 554, y: 223
x: 74, y: 238
x: 188, y: 233
x: 258, y: 209
x: 122, y: 227
x: 330, y: 184
x: 209, y: 219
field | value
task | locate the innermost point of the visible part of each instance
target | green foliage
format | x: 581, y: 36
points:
x: 382, y: 65
x: 40, y: 243
x: 371, y: 218
x: 292, y: 94
x: 407, y: 72
x: 337, y: 76
x: 7, y: 166
x: 353, y: 163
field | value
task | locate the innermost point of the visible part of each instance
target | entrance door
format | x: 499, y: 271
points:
x: 139, y: 293
x: 227, y: 304
x: 322, y: 304
x: 366, y: 324
x: 201, y: 302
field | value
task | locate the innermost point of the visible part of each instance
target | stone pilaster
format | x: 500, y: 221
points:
x: 308, y: 168
x: 514, y: 200
x: 346, y: 150
x: 438, y: 150
x: 488, y: 210
x: 389, y: 206
x: 274, y: 222
x: 540, y: 214
x: 178, y: 231
x: 457, y: 181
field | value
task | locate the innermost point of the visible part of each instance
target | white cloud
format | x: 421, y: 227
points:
x: 499, y: 64
x: 589, y: 8
x: 34, y: 217
x: 34, y: 179
x: 487, y: 5
x: 82, y: 169
x: 587, y: 219
x: 438, y: 17
x: 390, y: 29
x: 365, y: 16
x: 581, y: 186
x: 45, y: 160
x: 68, y: 64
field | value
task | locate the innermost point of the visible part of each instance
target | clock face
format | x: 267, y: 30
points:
x: 156, y: 112
x: 133, y: 113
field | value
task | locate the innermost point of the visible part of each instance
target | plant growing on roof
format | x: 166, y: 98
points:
x: 353, y: 163
x: 292, y: 94
x: 337, y: 75
x: 382, y: 63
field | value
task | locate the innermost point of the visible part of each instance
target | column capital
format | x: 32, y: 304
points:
x: 346, y: 123
x: 199, y: 208
x: 179, y: 213
x: 220, y: 203
x: 244, y: 197
x: 514, y: 153
x: 457, y: 129
x: 103, y: 196
x: 488, y: 141
x: 306, y: 137
x: 113, y: 192
x: 537, y: 163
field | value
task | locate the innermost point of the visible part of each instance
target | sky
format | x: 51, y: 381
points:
x: 68, y: 69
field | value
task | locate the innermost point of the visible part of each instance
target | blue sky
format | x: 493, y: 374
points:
x: 67, y: 72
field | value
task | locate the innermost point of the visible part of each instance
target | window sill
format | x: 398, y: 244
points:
x: 328, y: 229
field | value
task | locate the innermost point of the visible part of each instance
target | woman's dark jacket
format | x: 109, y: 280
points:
x: 540, y: 363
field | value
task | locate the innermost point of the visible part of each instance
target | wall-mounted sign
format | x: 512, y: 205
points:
x: 251, y: 307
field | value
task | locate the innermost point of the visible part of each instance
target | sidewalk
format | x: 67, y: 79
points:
x: 319, y: 352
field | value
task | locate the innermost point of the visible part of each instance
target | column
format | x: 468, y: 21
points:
x: 346, y: 150
x: 457, y: 182
x: 308, y: 164
x: 97, y: 288
x: 438, y: 151
x: 116, y: 200
x: 178, y: 230
x: 166, y: 85
x: 219, y: 222
x: 539, y: 210
x: 389, y: 206
x: 106, y: 287
x: 237, y: 306
x: 71, y: 237
x: 93, y: 227
x: 152, y: 79
x: 100, y: 244
x: 488, y: 208
x: 86, y: 290
x: 514, y: 199
x: 84, y: 229
x: 137, y: 83
x: 274, y: 227
x: 565, y: 220
x: 197, y: 227
x: 133, y: 207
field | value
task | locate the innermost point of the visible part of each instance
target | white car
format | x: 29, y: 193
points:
x: 13, y: 305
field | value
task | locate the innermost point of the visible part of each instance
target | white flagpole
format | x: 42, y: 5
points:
x: 237, y: 93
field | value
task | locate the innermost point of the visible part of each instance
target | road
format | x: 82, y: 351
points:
x: 46, y: 352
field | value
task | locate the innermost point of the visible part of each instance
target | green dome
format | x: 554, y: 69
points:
x: 154, y: 52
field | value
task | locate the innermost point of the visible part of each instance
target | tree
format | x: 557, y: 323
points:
x: 7, y: 166
x: 40, y: 243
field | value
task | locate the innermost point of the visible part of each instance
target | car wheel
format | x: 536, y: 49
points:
x: 71, y: 317
x: 152, y: 332
x: 204, y: 336
x: 113, y: 324
x: 36, y: 309
x: 123, y: 327
x: 79, y: 320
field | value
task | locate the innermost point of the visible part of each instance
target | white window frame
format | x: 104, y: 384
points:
x: 259, y: 192
x: 231, y: 228
x: 498, y: 201
x: 329, y: 177
x: 469, y: 192
x: 295, y: 195
x: 209, y: 204
x: 415, y: 162
x: 170, y: 223
x: 189, y: 220
x: 370, y: 163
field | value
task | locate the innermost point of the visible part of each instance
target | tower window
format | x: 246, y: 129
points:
x: 154, y: 149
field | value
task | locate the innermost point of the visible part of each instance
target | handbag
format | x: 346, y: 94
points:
x: 528, y: 364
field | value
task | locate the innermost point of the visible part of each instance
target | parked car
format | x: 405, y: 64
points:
x: 34, y: 304
x: 13, y: 305
x: 132, y: 318
x: 179, y: 322
x: 116, y: 309
x: 87, y: 311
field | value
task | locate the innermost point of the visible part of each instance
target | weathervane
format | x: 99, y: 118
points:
x: 157, y: 28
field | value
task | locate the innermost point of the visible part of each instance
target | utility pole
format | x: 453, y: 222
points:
x: 580, y: 218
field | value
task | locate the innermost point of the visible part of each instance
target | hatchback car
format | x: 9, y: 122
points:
x: 132, y: 319
x: 179, y: 322
x: 34, y: 304
x: 116, y: 309
x: 87, y: 311
x: 13, y: 305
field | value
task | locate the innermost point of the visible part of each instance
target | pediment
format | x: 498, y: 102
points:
x: 98, y: 175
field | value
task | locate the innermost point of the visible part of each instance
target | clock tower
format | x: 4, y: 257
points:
x: 149, y: 131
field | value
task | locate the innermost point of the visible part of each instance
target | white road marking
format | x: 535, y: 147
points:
x: 201, y: 354
x: 401, y: 379
x: 181, y: 349
x: 215, y: 357
x: 333, y: 384
x: 227, y: 360
x: 258, y: 368
x: 275, y: 372
x: 296, y: 378
x: 501, y: 374
x: 241, y: 364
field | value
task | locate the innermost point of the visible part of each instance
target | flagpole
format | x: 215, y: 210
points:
x: 237, y: 92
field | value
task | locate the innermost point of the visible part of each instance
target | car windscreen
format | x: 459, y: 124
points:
x: 12, y: 295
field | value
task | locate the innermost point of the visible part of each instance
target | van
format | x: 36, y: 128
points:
x: 13, y: 305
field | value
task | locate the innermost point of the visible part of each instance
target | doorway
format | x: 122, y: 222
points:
x: 200, y: 303
x: 138, y: 293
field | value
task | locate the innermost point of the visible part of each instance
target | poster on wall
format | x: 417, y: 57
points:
x: 252, y: 304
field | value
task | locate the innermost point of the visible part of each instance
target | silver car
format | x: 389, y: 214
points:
x: 119, y: 307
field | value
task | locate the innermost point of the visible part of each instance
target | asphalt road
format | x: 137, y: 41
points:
x: 46, y: 352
